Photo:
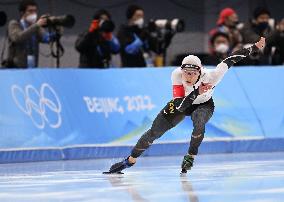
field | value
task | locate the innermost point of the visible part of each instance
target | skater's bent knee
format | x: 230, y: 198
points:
x: 199, y: 131
x: 197, y: 135
x: 132, y: 160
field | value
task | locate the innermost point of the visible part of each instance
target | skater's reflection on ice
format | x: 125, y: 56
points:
x: 188, y: 189
x: 124, y: 185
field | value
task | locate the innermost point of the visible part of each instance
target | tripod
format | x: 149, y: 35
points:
x: 162, y: 42
x: 57, y: 49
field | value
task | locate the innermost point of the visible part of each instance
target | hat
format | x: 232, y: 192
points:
x: 225, y: 13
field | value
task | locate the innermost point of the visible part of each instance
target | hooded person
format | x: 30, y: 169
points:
x: 193, y: 87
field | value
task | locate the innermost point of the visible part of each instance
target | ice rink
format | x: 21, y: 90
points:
x: 253, y: 177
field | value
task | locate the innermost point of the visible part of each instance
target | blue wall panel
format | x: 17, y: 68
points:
x: 45, y: 108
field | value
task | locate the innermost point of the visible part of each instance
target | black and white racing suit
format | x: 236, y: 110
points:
x: 187, y: 102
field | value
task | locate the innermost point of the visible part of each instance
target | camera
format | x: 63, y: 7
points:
x: 163, y: 31
x: 175, y: 25
x: 64, y: 21
x: 107, y: 26
x: 3, y: 18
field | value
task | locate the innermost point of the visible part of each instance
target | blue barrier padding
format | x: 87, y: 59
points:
x: 224, y: 146
x: 48, y: 111
x: 95, y: 152
x: 161, y: 149
x: 26, y: 155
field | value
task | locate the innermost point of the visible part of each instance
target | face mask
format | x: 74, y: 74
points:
x: 139, y: 22
x: 222, y: 48
x: 234, y: 24
x: 31, y: 18
x: 262, y: 26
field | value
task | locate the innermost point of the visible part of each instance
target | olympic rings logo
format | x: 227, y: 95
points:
x: 30, y: 107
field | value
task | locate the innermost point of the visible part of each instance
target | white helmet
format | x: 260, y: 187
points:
x: 191, y: 61
x: 194, y: 63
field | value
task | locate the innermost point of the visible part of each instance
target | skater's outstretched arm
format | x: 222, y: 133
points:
x: 218, y: 73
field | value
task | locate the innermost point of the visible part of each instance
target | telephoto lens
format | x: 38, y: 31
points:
x: 64, y: 21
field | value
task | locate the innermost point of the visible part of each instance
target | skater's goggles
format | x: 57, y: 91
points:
x: 191, y: 66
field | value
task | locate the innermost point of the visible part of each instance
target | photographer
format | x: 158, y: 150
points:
x: 133, y: 38
x: 24, y: 36
x: 98, y: 43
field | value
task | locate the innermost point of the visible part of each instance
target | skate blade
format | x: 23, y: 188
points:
x: 113, y: 173
x: 183, y: 172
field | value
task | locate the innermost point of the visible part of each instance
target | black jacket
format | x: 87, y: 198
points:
x: 213, y: 59
x: 251, y: 34
x: 95, y: 51
x: 126, y: 36
x: 275, y: 40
